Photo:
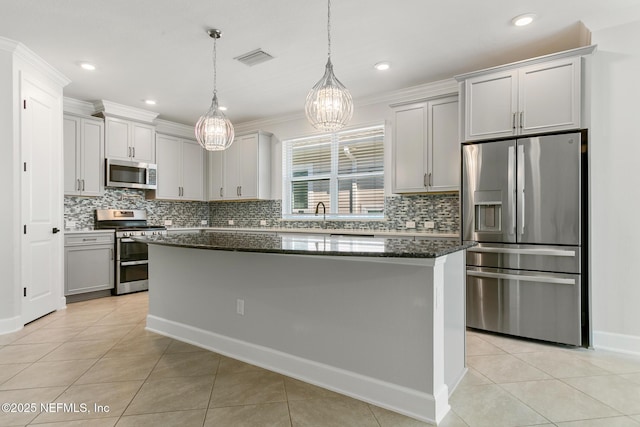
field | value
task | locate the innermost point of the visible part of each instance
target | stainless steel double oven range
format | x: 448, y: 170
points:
x: 132, y: 258
x: 525, y: 201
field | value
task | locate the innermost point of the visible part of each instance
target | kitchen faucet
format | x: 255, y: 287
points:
x: 324, y: 210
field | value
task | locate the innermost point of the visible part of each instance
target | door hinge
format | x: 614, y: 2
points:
x: 24, y: 104
x: 25, y: 166
x: 24, y: 292
x: 25, y: 229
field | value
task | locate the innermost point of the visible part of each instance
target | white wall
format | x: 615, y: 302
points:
x: 615, y: 188
x: 9, y: 310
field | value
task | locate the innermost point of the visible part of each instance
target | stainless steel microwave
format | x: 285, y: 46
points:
x: 121, y: 173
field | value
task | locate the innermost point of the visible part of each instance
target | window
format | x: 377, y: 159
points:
x: 343, y: 170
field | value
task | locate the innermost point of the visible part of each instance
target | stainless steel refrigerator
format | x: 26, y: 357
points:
x: 524, y: 201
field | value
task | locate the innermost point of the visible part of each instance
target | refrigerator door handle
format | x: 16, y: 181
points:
x: 522, y: 277
x: 512, y: 192
x: 530, y: 251
x: 520, y: 187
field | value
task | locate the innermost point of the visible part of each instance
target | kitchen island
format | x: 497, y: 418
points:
x: 378, y: 319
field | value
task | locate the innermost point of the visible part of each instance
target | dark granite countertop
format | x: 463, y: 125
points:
x: 312, y: 244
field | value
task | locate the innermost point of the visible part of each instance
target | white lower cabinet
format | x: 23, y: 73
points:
x: 88, y: 262
x: 242, y: 171
x: 426, y: 147
x: 180, y: 169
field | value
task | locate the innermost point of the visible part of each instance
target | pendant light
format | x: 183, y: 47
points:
x: 329, y: 105
x: 214, y: 131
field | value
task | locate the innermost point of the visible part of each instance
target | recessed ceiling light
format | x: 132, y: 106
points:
x: 150, y: 102
x: 381, y: 66
x: 522, y: 20
x: 87, y: 66
x: 220, y: 107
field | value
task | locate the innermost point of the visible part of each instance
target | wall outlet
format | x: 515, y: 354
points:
x: 429, y: 225
x: 263, y: 222
x: 240, y: 306
x: 410, y: 224
x: 70, y: 225
x: 168, y: 222
x: 231, y: 222
x: 204, y: 222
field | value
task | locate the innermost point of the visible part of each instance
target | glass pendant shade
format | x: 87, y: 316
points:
x: 329, y: 105
x: 214, y: 131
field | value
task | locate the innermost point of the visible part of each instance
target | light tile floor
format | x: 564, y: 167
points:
x: 98, y: 353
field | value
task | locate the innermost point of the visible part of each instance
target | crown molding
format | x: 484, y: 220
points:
x: 431, y: 90
x: 108, y: 109
x: 579, y: 51
x: 175, y: 129
x: 30, y: 57
x: 76, y: 106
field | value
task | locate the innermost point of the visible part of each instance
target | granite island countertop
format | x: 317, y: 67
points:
x: 303, y: 244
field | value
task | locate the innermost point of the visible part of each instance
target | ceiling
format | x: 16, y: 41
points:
x: 159, y: 49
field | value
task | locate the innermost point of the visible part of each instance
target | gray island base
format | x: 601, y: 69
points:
x: 377, y: 319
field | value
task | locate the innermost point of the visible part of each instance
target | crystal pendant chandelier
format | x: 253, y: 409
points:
x: 329, y: 105
x: 214, y: 131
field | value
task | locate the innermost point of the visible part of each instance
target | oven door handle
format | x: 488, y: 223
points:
x: 127, y: 263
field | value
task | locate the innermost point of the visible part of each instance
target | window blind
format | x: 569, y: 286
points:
x: 344, y: 170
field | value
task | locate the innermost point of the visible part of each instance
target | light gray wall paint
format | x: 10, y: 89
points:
x: 615, y: 201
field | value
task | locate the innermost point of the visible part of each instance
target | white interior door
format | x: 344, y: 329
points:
x: 42, y: 213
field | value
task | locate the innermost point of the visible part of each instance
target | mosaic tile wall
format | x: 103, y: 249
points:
x: 443, y: 209
x: 183, y: 214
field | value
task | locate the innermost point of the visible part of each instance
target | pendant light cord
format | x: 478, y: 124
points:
x: 329, y: 28
x: 215, y: 39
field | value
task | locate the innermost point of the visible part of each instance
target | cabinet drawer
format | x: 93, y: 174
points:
x: 89, y: 239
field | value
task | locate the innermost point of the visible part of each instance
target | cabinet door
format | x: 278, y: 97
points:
x: 169, y: 167
x: 410, y: 149
x: 88, y: 268
x: 491, y: 105
x: 231, y: 165
x: 216, y: 175
x: 143, y: 143
x: 71, y: 142
x: 192, y: 171
x: 92, y: 157
x: 444, y: 145
x: 248, y: 166
x: 549, y: 96
x: 117, y: 139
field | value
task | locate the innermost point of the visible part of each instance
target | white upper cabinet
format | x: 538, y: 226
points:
x: 180, y: 169
x: 426, y: 150
x: 129, y: 140
x: 216, y: 175
x: 242, y: 171
x: 83, y: 156
x: 534, y: 96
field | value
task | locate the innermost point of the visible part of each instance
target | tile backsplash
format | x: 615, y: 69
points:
x: 182, y: 214
x: 442, y: 209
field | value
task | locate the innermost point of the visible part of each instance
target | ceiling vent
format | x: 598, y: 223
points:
x: 254, y: 57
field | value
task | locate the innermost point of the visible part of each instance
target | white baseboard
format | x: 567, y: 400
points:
x: 406, y: 401
x: 12, y: 324
x: 628, y: 344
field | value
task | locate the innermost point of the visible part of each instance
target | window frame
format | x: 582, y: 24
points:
x: 333, y: 176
